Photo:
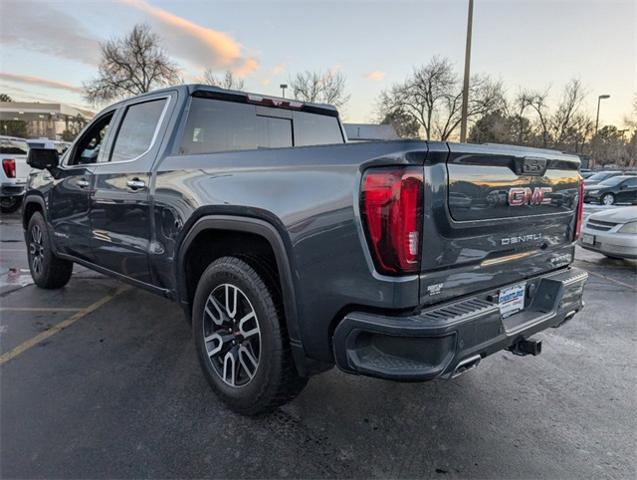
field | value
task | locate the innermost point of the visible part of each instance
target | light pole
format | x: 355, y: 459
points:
x: 283, y: 87
x: 599, y: 99
x: 465, y: 84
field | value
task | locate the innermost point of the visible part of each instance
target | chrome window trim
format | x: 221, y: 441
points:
x: 152, y: 141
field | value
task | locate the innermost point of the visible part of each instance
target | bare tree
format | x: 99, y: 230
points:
x: 570, y: 124
x: 485, y: 96
x: 422, y: 94
x: 228, y: 81
x: 432, y: 95
x: 537, y: 101
x: 131, y: 65
x: 328, y: 87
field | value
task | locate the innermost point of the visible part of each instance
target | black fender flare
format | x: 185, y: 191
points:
x: 33, y: 198
x: 255, y: 226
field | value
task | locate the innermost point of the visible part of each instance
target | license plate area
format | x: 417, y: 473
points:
x: 511, y: 299
x: 588, y: 239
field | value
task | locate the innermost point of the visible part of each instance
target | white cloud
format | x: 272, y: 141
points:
x: 40, y: 82
x: 202, y: 46
x: 37, y: 26
x: 277, y: 69
x: 375, y: 76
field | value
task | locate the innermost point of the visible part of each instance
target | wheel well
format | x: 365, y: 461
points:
x: 27, y: 212
x: 210, y: 245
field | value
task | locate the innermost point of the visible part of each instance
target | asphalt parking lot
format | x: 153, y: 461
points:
x: 101, y: 381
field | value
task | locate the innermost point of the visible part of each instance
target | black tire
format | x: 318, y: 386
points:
x: 611, y: 199
x: 275, y: 380
x: 47, y: 270
x: 10, y: 204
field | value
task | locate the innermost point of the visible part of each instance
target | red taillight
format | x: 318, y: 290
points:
x: 8, y: 165
x: 580, y: 209
x: 391, y: 205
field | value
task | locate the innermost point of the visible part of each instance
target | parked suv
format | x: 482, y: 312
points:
x: 290, y: 250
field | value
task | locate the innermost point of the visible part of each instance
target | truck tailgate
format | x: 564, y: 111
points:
x: 506, y: 214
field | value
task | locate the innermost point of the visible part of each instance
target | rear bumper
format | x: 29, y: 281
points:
x: 440, y: 339
x: 12, y: 189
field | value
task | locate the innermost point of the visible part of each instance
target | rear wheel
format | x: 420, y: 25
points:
x: 47, y: 270
x: 10, y: 204
x: 608, y: 199
x: 241, y: 339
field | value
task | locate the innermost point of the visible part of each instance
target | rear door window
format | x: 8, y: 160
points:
x: 215, y: 126
x: 137, y: 130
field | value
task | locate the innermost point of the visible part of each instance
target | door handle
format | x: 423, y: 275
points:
x: 82, y: 183
x: 136, y: 184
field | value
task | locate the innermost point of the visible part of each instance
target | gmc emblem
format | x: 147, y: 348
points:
x: 525, y: 196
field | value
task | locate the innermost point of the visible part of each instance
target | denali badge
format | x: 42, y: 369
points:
x: 525, y: 196
x: 521, y: 239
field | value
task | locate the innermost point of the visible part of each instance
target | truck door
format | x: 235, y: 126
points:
x: 120, y: 199
x: 69, y: 197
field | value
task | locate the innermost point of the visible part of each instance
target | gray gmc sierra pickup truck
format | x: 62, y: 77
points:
x: 291, y: 250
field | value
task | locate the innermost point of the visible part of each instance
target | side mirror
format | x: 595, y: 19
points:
x: 43, y: 158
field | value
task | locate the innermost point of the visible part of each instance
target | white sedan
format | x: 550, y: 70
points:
x: 611, y: 232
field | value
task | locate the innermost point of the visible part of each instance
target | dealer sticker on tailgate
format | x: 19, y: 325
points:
x: 511, y: 300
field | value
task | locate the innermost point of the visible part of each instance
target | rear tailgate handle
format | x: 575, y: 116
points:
x: 530, y: 166
x: 136, y: 184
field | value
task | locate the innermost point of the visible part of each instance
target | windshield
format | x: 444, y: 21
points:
x: 598, y: 177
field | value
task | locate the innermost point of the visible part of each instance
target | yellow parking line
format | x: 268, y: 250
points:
x: 38, y: 309
x: 23, y: 347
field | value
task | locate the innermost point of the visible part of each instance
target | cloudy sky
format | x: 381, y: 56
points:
x: 49, y: 47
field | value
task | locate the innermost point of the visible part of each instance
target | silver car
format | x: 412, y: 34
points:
x: 611, y: 232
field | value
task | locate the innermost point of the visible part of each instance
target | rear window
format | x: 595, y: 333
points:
x: 312, y: 129
x: 13, y: 147
x: 218, y: 126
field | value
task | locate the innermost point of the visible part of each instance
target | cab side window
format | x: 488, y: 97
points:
x: 137, y: 130
x: 88, y: 147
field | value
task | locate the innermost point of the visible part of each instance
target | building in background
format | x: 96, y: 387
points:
x: 365, y: 132
x: 57, y: 121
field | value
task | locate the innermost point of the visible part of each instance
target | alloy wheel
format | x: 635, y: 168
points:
x: 608, y: 199
x: 36, y: 249
x: 232, y: 335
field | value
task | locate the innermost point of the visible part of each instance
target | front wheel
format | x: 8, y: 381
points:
x: 47, y: 270
x: 10, y: 204
x: 608, y: 199
x: 241, y: 339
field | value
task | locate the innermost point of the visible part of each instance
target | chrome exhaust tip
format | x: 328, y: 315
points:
x: 465, y: 365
